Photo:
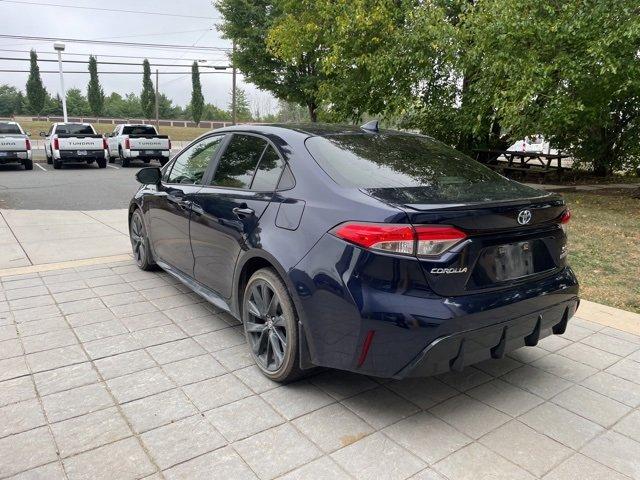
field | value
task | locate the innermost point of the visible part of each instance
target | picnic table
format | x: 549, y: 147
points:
x: 534, y: 162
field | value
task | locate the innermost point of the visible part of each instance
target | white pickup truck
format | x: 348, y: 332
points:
x: 15, y: 146
x: 74, y: 143
x: 138, y: 142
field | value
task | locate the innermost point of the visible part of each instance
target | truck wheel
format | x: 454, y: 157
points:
x: 102, y: 163
x: 28, y: 164
x: 125, y: 162
x: 163, y: 161
x: 57, y: 164
x: 49, y: 159
x: 111, y: 159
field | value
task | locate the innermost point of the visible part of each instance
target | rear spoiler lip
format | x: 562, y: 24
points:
x: 524, y: 202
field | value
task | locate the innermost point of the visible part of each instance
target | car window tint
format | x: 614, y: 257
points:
x: 286, y: 181
x: 190, y: 166
x: 75, y: 129
x: 9, y: 129
x: 238, y: 162
x: 411, y: 169
x: 268, y: 171
x: 139, y: 130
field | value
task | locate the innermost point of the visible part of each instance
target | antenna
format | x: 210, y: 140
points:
x: 371, y: 126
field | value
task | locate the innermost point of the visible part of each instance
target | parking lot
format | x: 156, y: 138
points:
x: 110, y: 372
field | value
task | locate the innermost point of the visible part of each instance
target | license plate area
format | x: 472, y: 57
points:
x: 82, y: 152
x: 513, y: 260
x: 150, y: 152
x: 499, y: 264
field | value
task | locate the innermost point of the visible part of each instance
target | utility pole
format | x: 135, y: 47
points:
x: 157, y: 105
x: 233, y: 88
x: 59, y: 47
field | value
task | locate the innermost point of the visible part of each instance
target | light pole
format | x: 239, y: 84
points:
x: 59, y: 47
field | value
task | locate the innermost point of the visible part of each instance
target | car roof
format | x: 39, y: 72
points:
x: 305, y: 129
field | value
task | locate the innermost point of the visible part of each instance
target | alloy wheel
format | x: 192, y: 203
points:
x: 138, y: 239
x: 266, y: 325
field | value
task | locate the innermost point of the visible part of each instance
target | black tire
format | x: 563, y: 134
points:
x: 111, y: 159
x: 102, y: 163
x: 49, y: 159
x: 146, y: 160
x: 123, y: 161
x: 28, y: 164
x: 163, y: 161
x: 57, y: 164
x: 271, y: 326
x: 140, y: 242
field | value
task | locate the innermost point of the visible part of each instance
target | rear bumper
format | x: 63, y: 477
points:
x: 144, y: 154
x: 458, y: 350
x: 71, y: 156
x: 345, y: 295
x: 15, y: 157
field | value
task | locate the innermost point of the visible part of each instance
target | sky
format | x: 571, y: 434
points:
x: 55, y: 18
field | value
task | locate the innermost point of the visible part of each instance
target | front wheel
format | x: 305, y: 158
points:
x: 270, y: 324
x: 140, y: 242
x: 102, y: 163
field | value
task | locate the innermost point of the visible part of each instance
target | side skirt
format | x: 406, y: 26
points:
x: 205, y: 292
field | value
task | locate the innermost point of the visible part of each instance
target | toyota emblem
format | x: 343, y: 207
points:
x: 524, y: 217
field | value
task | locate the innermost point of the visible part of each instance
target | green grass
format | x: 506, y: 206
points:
x: 604, y: 243
x: 175, y: 133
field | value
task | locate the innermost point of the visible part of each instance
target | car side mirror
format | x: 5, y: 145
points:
x: 149, y: 176
x: 43, y: 134
x: 28, y: 133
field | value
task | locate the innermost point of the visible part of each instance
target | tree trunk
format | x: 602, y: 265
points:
x: 313, y: 114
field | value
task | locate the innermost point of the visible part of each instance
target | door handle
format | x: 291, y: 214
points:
x: 243, y: 212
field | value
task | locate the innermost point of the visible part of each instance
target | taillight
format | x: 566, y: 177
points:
x: 105, y: 145
x: 127, y: 144
x: 56, y: 144
x: 27, y: 144
x: 169, y: 144
x: 436, y: 240
x: 564, y: 220
x: 424, y: 241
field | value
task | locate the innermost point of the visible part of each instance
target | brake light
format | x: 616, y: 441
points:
x: 424, y: 241
x: 27, y: 144
x: 105, y: 145
x: 564, y: 220
x: 56, y: 144
x: 127, y: 144
x: 169, y: 144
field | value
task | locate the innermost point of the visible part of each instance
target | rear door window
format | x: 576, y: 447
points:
x: 268, y: 171
x: 139, y: 130
x: 411, y: 169
x: 238, y: 163
x: 10, y: 129
x: 75, y: 129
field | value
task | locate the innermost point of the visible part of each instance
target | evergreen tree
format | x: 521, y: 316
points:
x: 36, y: 93
x: 243, y: 109
x: 197, y: 100
x: 95, y: 94
x: 148, y: 96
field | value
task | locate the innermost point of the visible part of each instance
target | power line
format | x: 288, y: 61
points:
x: 121, y: 44
x: 111, y: 10
x: 85, y: 62
x: 113, y: 56
x: 219, y: 72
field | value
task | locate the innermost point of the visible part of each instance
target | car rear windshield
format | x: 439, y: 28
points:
x: 9, y: 129
x: 411, y: 169
x: 75, y: 129
x: 139, y: 130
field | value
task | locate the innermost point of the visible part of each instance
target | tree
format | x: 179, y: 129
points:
x: 261, y: 60
x: 95, y: 94
x: 36, y: 93
x: 10, y: 101
x: 148, y: 96
x: 243, y: 110
x: 197, y: 100
x: 567, y: 70
x: 77, y: 103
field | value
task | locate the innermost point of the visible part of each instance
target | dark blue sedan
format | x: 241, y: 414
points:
x: 374, y: 251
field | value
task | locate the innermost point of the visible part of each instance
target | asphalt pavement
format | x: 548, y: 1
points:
x: 74, y: 187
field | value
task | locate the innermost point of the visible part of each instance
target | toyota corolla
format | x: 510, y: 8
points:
x: 374, y: 251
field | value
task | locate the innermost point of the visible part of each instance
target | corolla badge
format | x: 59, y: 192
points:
x: 524, y: 217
